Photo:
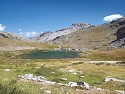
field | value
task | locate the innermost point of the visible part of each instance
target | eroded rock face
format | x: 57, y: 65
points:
x: 120, y: 33
x: 120, y: 41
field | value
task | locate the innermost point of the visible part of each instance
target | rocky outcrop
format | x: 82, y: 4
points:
x: 117, y: 23
x: 120, y: 33
x: 117, y: 44
x: 120, y: 41
x: 48, y: 36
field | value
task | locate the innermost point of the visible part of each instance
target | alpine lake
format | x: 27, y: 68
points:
x: 54, y: 54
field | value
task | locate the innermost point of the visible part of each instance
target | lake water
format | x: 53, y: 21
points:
x: 51, y: 55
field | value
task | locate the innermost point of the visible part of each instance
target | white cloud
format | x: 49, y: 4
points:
x: 2, y: 27
x: 112, y: 17
x: 21, y: 33
x: 19, y: 29
x: 28, y: 34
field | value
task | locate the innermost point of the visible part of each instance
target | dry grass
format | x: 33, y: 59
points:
x: 7, y: 42
x: 113, y: 54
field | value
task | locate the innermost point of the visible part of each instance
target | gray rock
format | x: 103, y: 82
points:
x: 63, y: 79
x: 120, y: 91
x: 107, y: 79
x: 28, y: 76
x: 72, y: 84
x: 41, y: 78
x: 34, y: 78
x: 120, y: 41
x: 47, y: 91
x: 83, y: 85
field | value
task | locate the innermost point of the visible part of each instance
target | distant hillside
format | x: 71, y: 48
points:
x: 11, y: 36
x: 10, y: 41
x: 101, y: 36
x: 48, y: 36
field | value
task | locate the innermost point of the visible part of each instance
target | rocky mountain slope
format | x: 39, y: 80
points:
x: 12, y: 36
x: 106, y: 35
x: 10, y: 42
x: 48, y: 36
x: 120, y: 41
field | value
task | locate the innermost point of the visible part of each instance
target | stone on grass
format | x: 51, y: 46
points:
x: 71, y: 71
x: 72, y: 84
x: 120, y: 91
x: 49, y: 82
x: 34, y: 78
x: 63, y: 79
x: 82, y: 76
x: 47, y: 91
x: 7, y: 70
x: 41, y: 78
x: 74, y: 73
x: 107, y: 79
x: 28, y: 76
x: 83, y: 85
x: 99, y: 89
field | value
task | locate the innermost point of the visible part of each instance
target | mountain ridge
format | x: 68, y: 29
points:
x: 48, y: 36
x: 10, y: 42
x: 79, y: 35
x: 10, y: 35
x: 101, y: 36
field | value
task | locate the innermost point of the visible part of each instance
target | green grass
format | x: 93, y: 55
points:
x: 10, y: 89
x: 54, y: 70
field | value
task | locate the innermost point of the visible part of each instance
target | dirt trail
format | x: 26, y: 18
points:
x: 112, y: 62
x: 91, y: 61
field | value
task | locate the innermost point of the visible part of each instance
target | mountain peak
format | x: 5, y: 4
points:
x: 48, y: 36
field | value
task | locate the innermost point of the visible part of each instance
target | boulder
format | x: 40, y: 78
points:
x: 72, y: 84
x: 34, y: 78
x: 28, y: 76
x: 83, y: 85
x: 41, y: 78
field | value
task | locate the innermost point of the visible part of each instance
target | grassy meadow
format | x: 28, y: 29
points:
x: 55, y: 69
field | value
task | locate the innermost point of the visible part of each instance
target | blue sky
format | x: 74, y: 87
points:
x: 35, y: 16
